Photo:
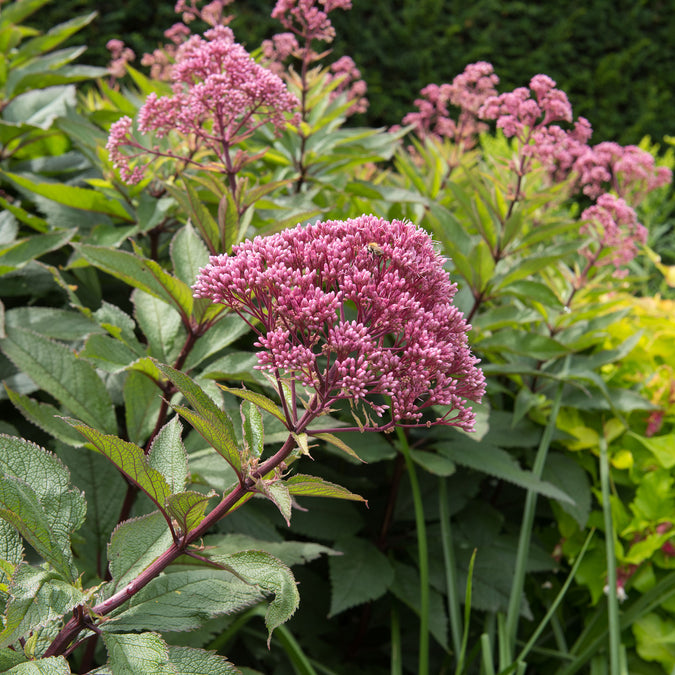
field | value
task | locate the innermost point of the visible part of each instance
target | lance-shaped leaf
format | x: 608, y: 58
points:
x: 133, y: 653
x: 130, y: 460
x: 313, y: 486
x: 37, y: 498
x: 135, y: 544
x: 199, y: 215
x: 270, y: 575
x: 20, y: 252
x: 261, y: 401
x: 338, y: 443
x: 188, y: 508
x: 58, y: 370
x: 188, y: 254
x: 81, y: 198
x: 207, y: 418
x: 191, y: 661
x: 141, y: 273
x: 37, y: 596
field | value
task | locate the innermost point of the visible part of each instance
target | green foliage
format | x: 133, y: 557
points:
x: 158, y: 506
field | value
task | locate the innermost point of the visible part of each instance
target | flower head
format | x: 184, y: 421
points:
x: 358, y: 310
x: 221, y: 95
x: 614, y: 227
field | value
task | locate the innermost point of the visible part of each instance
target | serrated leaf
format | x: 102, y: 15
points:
x: 496, y: 462
x: 191, y: 661
x: 272, y: 576
x: 54, y: 665
x: 338, y: 443
x: 362, y: 574
x: 37, y: 596
x: 37, y: 498
x: 183, y: 600
x: 134, y: 653
x: 167, y: 455
x: 61, y: 373
x: 130, y: 460
x: 141, y: 273
x: 261, y: 401
x: 566, y: 474
x: 11, y: 657
x: 135, y: 544
x: 188, y: 508
x: 207, y: 418
x: 313, y: 486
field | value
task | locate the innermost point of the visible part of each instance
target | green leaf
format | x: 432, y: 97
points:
x: 19, y: 10
x: 161, y: 324
x: 362, y: 574
x: 11, y: 657
x: 191, y: 661
x: 337, y: 442
x: 18, y: 253
x: 496, y: 462
x: 253, y: 431
x: 433, y: 463
x: 45, y: 416
x: 142, y: 403
x: 219, y: 336
x: 54, y: 665
x: 188, y: 508
x: 261, y: 401
x: 183, y: 600
x: 33, y: 221
x: 567, y: 475
x: 134, y: 653
x: 199, y: 215
x: 37, y: 596
x: 62, y: 374
x: 105, y: 490
x: 37, y: 498
x: 278, y: 494
x: 662, y: 447
x: 130, y: 460
x: 210, y: 421
x: 69, y: 195
x: 271, y: 576
x: 313, y: 486
x: 141, y: 273
x: 60, y: 324
x: 655, y: 638
x: 135, y: 544
x: 188, y: 254
x: 525, y: 344
x: 167, y: 455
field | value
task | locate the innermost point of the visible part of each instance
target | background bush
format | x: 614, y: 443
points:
x: 615, y: 60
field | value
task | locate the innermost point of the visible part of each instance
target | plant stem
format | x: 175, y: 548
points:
x: 612, y: 600
x: 450, y: 566
x: 518, y: 585
x: 422, y: 553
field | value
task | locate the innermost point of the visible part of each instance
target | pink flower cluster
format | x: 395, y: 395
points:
x: 628, y: 170
x: 357, y: 310
x: 306, y: 20
x: 616, y: 232
x: 221, y: 95
x: 468, y: 91
x: 351, y: 83
x: 120, y: 55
